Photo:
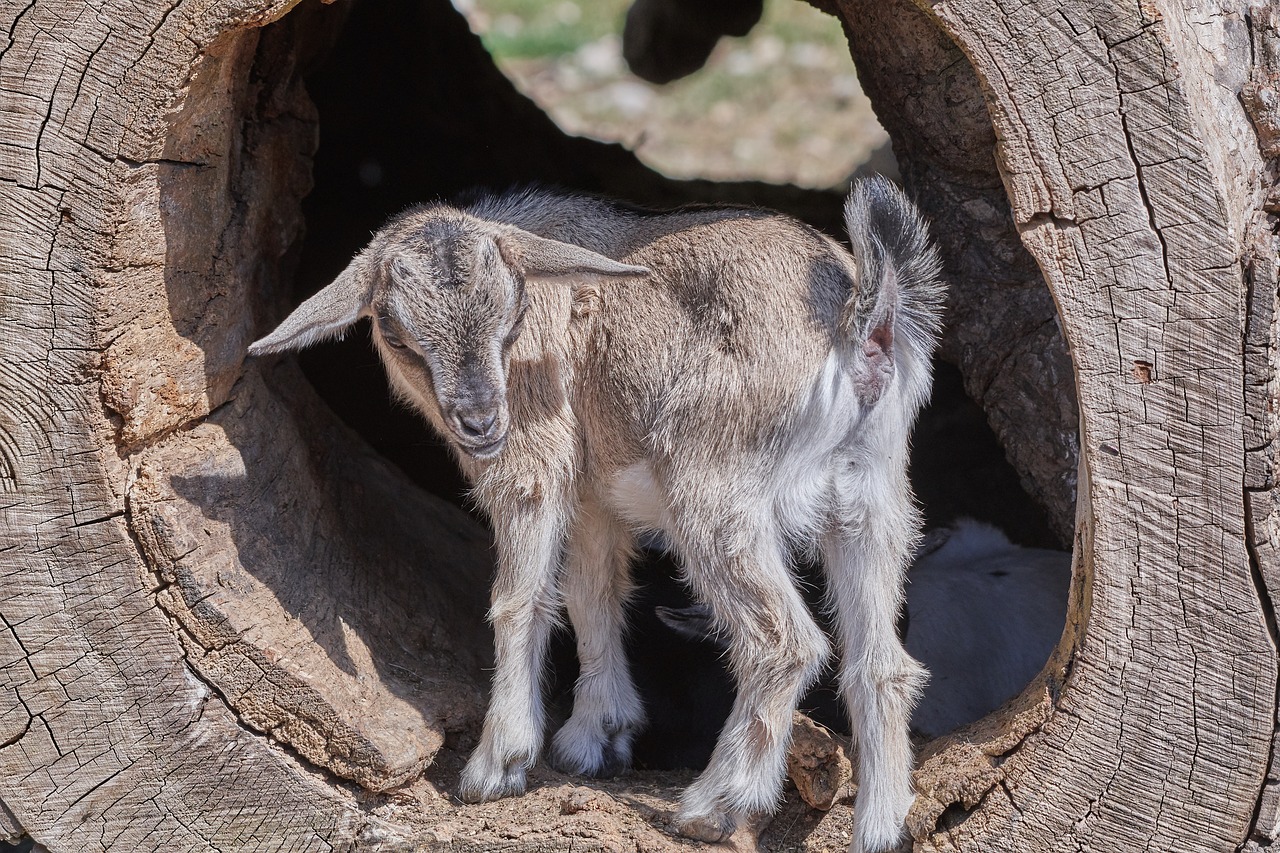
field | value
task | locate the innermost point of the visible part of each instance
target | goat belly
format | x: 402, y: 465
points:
x: 634, y: 494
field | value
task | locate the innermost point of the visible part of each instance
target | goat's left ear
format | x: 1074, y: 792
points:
x: 538, y: 257
x: 329, y: 313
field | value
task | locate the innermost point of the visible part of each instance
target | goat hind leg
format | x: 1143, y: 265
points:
x: 775, y: 651
x: 607, y: 711
x: 866, y: 562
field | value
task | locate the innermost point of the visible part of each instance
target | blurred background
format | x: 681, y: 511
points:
x: 781, y: 104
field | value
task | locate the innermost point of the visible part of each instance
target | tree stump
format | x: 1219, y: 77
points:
x: 227, y: 623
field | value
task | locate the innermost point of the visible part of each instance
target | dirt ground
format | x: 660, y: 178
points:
x: 631, y: 813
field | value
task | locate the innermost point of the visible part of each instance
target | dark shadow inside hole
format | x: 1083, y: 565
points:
x: 959, y: 469
x: 411, y: 108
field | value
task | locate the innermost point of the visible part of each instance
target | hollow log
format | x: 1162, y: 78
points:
x: 227, y: 623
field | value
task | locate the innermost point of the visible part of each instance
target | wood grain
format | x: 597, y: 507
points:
x: 154, y: 642
x: 1112, y: 152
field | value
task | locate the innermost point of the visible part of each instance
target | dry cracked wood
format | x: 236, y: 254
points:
x: 1133, y: 175
x: 113, y: 738
x: 155, y: 690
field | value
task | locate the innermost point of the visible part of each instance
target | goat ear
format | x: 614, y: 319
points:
x: 538, y: 257
x: 330, y: 312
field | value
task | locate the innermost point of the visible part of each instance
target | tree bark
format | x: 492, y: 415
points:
x: 164, y: 672
x: 1140, y: 185
x: 225, y: 623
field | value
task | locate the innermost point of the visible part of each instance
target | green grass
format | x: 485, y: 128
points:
x: 545, y: 29
x: 796, y: 21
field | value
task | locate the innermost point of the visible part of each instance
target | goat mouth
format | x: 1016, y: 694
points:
x: 484, y: 451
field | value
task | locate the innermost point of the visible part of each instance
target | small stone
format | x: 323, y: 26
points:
x: 630, y: 98
x: 584, y: 800
x: 438, y: 835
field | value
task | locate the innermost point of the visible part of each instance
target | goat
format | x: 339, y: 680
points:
x: 983, y: 617
x: 727, y: 376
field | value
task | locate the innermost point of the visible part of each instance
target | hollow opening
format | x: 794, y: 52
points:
x: 409, y: 107
x: 748, y: 113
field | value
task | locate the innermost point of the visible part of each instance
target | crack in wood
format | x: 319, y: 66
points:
x: 188, y: 641
x: 1269, y: 614
x: 163, y: 161
x: 1138, y: 168
x: 14, y: 26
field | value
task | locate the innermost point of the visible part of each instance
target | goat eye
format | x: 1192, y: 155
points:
x: 515, y: 330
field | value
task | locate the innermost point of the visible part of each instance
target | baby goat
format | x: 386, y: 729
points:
x: 734, y: 380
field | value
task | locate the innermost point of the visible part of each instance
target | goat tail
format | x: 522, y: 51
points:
x: 899, y: 291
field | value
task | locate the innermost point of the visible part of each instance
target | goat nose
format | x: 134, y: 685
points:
x: 477, y: 423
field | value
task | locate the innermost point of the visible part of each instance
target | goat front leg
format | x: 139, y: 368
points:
x: 607, y: 711
x: 524, y: 608
x: 866, y: 552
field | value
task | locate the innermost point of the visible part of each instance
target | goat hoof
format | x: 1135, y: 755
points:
x: 858, y: 847
x: 884, y: 837
x: 575, y: 753
x: 710, y: 829
x: 613, y: 762
x: 476, y: 787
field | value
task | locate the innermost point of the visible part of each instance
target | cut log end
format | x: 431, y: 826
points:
x: 222, y: 607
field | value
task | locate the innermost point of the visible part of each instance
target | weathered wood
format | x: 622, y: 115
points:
x: 1126, y: 155
x: 1261, y: 98
x: 110, y: 740
x: 215, y: 606
x: 339, y: 609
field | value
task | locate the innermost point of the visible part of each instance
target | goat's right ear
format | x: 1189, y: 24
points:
x: 329, y: 313
x: 539, y: 257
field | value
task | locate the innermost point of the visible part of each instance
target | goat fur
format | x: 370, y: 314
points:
x: 984, y: 616
x: 727, y: 377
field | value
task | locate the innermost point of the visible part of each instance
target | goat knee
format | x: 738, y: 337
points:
x: 791, y: 655
x: 884, y: 687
